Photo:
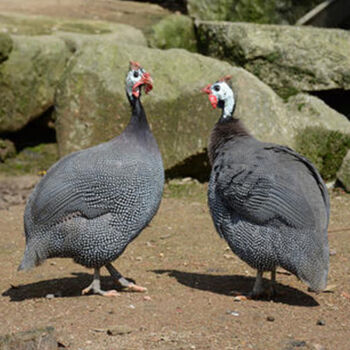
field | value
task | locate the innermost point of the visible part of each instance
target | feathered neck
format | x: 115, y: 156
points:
x: 138, y: 121
x: 226, y: 129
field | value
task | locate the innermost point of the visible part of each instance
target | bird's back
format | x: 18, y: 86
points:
x: 270, y: 204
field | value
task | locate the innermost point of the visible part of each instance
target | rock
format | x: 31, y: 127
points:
x: 343, y: 174
x: 317, y: 113
x: 29, y: 76
x: 270, y: 318
x: 119, y: 330
x: 7, y: 149
x: 287, y: 58
x: 141, y: 15
x: 91, y: 106
x: 259, y: 11
x: 31, y: 160
x: 15, y: 190
x: 5, y: 46
x: 321, y: 323
x: 28, y: 79
x: 174, y: 31
x: 38, y: 339
x: 41, y: 25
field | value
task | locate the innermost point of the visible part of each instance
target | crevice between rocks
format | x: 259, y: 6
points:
x: 38, y: 131
x: 338, y: 99
x: 196, y: 166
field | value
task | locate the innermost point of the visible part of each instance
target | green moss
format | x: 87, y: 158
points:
x: 273, y: 57
x: 5, y: 46
x: 257, y: 11
x: 31, y: 160
x: 325, y: 148
x: 301, y: 106
x: 286, y: 91
x: 85, y: 28
x: 175, y: 31
x: 186, y: 188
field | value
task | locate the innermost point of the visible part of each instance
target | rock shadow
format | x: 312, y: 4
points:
x: 58, y: 287
x: 227, y: 284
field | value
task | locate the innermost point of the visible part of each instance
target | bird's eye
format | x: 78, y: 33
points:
x: 136, y: 74
x: 217, y: 87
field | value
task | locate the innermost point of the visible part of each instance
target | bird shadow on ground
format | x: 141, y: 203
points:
x: 58, y: 287
x: 230, y: 284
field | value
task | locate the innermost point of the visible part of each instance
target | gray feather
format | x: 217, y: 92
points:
x: 272, y: 207
x: 91, y: 204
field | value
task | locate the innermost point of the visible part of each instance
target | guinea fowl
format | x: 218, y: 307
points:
x: 268, y: 202
x: 92, y: 203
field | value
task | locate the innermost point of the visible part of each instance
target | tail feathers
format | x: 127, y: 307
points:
x: 316, y: 280
x: 32, y: 257
x: 308, y: 258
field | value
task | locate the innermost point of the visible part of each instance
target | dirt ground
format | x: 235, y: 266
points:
x: 191, y: 277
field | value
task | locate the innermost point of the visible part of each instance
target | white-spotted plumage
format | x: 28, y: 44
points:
x: 267, y: 201
x: 92, y: 203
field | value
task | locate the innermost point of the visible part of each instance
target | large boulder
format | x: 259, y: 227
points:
x: 34, y: 63
x: 141, y: 15
x: 344, y: 172
x: 316, y: 112
x: 288, y: 58
x: 259, y: 11
x: 174, y: 31
x: 91, y: 104
x: 41, y: 25
x: 28, y: 79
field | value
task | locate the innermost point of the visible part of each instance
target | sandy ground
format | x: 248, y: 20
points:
x: 191, y: 278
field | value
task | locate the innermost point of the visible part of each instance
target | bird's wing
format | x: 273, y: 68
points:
x: 89, y: 187
x: 269, y: 187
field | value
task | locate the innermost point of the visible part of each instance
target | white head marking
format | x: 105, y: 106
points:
x: 224, y: 94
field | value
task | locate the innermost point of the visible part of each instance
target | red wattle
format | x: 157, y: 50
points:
x: 213, y: 100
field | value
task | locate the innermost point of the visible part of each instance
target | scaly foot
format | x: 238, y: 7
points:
x: 129, y: 286
x: 95, y: 287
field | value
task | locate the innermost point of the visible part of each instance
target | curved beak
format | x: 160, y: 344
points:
x: 145, y: 80
x: 212, y: 98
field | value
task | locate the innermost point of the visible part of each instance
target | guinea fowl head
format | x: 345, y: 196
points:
x: 221, y: 95
x: 135, y: 79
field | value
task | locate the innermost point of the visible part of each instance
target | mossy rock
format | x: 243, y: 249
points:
x: 290, y: 59
x: 175, y: 31
x: 325, y: 148
x: 5, y: 46
x: 32, y: 71
x: 31, y: 160
x: 343, y: 174
x: 258, y: 11
x: 28, y: 79
x: 18, y: 24
x: 7, y: 149
x: 91, y: 105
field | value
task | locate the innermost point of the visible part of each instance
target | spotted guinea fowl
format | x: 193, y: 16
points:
x: 92, y: 203
x: 268, y: 202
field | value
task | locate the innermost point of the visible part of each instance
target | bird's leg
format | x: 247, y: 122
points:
x: 95, y: 286
x: 258, y: 288
x: 271, y: 291
x: 123, y: 281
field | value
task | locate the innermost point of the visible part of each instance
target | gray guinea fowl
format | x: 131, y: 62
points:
x: 92, y: 203
x: 267, y: 201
